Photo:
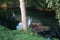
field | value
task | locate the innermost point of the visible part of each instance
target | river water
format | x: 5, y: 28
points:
x: 10, y: 18
x: 46, y: 19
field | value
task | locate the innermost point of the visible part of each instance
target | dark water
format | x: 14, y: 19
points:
x: 46, y: 19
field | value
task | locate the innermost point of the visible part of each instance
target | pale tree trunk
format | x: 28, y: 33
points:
x: 23, y: 14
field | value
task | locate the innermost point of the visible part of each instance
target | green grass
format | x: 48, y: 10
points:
x: 6, y: 34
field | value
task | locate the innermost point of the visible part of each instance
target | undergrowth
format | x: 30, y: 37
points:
x: 6, y: 34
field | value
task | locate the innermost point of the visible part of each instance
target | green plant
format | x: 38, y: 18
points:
x: 6, y: 34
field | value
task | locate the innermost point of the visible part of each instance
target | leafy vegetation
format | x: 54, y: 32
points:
x: 6, y: 34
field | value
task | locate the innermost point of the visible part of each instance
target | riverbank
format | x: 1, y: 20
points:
x: 18, y: 35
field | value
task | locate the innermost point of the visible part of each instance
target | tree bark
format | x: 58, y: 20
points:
x: 23, y: 14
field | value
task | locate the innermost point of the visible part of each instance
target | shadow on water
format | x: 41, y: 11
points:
x: 47, y: 19
x: 9, y: 23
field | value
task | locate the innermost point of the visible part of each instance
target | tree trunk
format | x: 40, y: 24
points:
x: 23, y: 14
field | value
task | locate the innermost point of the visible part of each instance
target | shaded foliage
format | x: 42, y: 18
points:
x: 18, y: 35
